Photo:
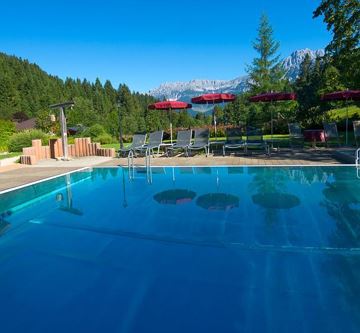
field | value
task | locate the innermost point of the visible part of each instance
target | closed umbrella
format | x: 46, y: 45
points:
x: 210, y: 99
x: 169, y: 106
x: 345, y: 95
x: 273, y: 97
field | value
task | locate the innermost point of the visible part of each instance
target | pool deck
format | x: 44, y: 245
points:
x: 17, y: 175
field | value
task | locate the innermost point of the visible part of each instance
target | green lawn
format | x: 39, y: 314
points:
x: 340, y: 114
x: 8, y: 155
x: 113, y: 145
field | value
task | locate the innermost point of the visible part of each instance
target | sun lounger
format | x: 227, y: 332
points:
x: 201, y: 140
x: 155, y: 142
x: 233, y: 139
x: 296, y: 136
x: 331, y: 134
x: 183, y: 141
x: 138, y: 143
x: 254, y: 139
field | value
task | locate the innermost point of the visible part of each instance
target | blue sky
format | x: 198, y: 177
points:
x: 145, y: 43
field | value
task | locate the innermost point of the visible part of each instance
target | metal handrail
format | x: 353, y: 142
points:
x: 130, y: 161
x: 131, y: 166
x: 357, y: 157
x: 148, y: 165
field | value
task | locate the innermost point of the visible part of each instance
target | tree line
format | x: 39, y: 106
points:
x: 26, y: 91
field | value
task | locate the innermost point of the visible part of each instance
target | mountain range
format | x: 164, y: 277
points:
x: 186, y: 90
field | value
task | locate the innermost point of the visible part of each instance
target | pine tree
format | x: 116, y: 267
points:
x: 266, y: 72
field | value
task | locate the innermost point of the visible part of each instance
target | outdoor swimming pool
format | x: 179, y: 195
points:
x: 238, y: 249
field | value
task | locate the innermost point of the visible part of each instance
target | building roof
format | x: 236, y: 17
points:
x: 26, y: 124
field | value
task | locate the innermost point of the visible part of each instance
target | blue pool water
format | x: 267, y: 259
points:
x: 188, y: 250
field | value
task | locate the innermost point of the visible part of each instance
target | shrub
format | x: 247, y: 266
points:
x: 7, y: 129
x: 71, y: 140
x: 104, y: 139
x: 94, y: 131
x: 23, y: 139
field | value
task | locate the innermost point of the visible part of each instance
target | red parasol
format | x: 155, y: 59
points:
x: 273, y: 97
x: 345, y: 95
x: 214, y: 99
x: 169, y: 106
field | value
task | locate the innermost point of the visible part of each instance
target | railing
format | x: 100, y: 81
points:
x: 148, y: 166
x: 130, y: 161
x: 131, y: 166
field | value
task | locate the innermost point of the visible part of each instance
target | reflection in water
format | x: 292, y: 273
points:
x: 309, y: 176
x: 4, y: 225
x: 104, y: 173
x: 276, y: 200
x: 186, y: 170
x: 202, y: 170
x: 294, y: 275
x: 345, y: 270
x: 235, y: 170
x: 154, y: 170
x: 68, y: 207
x: 125, y: 203
x: 174, y: 197
x: 341, y: 193
x: 218, y: 201
x: 270, y: 187
x: 342, y: 201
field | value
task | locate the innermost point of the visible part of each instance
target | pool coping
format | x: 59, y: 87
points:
x: 42, y: 180
x: 176, y: 166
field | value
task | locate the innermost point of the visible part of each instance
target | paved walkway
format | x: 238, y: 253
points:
x: 17, y: 175
x: 285, y: 157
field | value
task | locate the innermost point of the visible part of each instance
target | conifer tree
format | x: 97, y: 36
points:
x: 266, y: 72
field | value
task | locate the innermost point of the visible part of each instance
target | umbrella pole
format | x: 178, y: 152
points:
x: 214, y: 116
x: 347, y: 121
x: 171, y: 131
x: 272, y: 128
x: 215, y: 127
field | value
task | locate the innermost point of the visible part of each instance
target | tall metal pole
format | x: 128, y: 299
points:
x: 347, y: 124
x: 171, y: 129
x: 64, y: 137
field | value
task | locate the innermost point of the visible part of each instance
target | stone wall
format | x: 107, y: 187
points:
x: 82, y: 147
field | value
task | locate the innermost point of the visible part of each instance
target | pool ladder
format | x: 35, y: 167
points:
x: 131, y: 166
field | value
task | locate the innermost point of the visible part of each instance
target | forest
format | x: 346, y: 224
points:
x: 26, y: 91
